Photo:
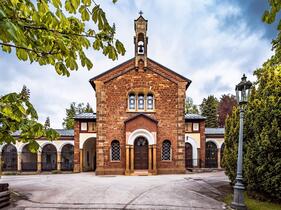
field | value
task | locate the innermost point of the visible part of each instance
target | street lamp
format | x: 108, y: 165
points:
x: 242, y: 95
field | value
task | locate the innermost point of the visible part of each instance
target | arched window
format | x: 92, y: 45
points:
x: 115, y: 150
x: 132, y: 101
x: 150, y: 102
x: 166, y: 150
x: 140, y: 102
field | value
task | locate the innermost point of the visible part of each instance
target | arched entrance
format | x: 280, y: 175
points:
x: 67, y: 154
x: 211, y: 155
x: 188, y: 155
x: 28, y: 159
x: 10, y: 158
x: 49, y: 158
x: 89, y: 155
x: 141, y: 153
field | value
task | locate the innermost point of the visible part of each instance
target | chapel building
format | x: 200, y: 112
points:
x: 140, y: 126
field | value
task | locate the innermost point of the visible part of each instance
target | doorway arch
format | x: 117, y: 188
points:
x: 49, y: 158
x: 211, y: 155
x: 10, y: 158
x: 188, y: 155
x: 29, y: 159
x: 89, y: 155
x: 67, y: 154
x: 141, y: 153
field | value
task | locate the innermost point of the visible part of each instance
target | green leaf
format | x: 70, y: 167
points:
x: 22, y: 54
x: 6, y: 48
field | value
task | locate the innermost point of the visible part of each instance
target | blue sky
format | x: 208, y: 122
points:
x: 211, y: 42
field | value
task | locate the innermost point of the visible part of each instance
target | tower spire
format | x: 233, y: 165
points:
x: 141, y: 41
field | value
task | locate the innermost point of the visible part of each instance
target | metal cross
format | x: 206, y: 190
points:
x: 140, y: 12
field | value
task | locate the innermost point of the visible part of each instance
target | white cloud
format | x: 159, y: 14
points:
x: 189, y: 37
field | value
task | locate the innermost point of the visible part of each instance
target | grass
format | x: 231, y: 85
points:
x: 253, y: 204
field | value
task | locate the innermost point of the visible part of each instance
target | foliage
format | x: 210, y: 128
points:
x: 262, y: 135
x: 269, y: 17
x: 55, y: 32
x: 190, y: 108
x: 229, y: 159
x: 18, y: 115
x: 253, y: 204
x: 225, y: 106
x: 47, y: 123
x: 73, y: 110
x: 209, y: 109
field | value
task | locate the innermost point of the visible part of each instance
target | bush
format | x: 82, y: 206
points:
x: 262, y: 137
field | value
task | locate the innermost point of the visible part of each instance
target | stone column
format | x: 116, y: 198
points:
x: 150, y: 158
x: 81, y: 160
x: 19, y: 161
x: 154, y: 159
x: 127, y: 172
x: 39, y: 161
x: 59, y: 161
x: 219, y: 157
x: 132, y: 159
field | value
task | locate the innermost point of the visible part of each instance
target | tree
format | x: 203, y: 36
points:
x: 269, y: 17
x: 17, y: 114
x: 47, y: 35
x: 225, y: 107
x: 190, y: 107
x: 262, y: 134
x: 73, y: 110
x: 47, y: 123
x: 209, y: 109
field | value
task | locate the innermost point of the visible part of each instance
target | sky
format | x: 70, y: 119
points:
x: 211, y: 42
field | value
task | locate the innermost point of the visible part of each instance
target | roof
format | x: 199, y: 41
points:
x: 214, y: 131
x: 141, y: 114
x: 194, y: 117
x: 133, y: 67
x: 62, y: 132
x: 85, y: 116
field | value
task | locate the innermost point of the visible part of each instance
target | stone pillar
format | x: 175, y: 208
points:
x: 81, y: 160
x: 154, y: 159
x: 76, y: 158
x: 150, y: 158
x: 132, y: 159
x: 19, y: 161
x: 39, y: 161
x: 59, y: 161
x: 219, y: 157
x: 127, y: 172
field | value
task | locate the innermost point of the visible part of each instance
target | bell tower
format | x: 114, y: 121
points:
x: 140, y: 40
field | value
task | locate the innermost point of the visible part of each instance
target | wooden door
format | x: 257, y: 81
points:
x: 141, y: 153
x: 188, y: 155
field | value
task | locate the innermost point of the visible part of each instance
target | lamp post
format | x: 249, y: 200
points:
x: 242, y: 95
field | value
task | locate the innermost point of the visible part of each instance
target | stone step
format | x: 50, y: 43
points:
x: 140, y: 173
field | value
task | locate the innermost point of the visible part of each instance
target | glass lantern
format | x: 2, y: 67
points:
x: 243, y: 90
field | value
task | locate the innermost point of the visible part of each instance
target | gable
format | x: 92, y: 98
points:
x: 129, y: 65
x: 141, y: 121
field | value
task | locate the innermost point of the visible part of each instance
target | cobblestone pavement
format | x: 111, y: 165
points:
x: 87, y: 191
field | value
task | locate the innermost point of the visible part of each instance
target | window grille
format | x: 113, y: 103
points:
x: 115, y: 150
x: 150, y: 102
x: 166, y: 150
x: 141, y: 102
x: 132, y: 101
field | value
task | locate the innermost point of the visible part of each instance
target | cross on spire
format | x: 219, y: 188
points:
x: 140, y: 12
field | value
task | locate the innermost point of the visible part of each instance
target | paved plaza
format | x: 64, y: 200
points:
x: 87, y: 191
